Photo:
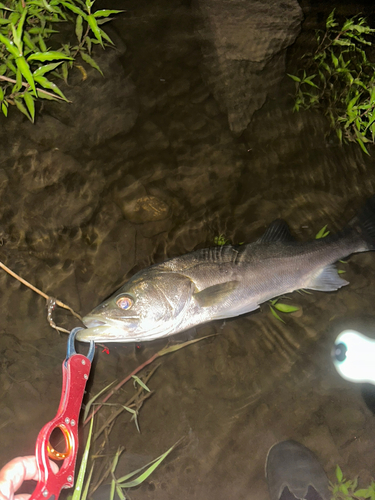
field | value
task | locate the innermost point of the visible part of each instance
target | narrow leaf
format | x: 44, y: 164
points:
x: 75, y: 9
x: 82, y: 469
x: 79, y: 28
x: 30, y: 104
x: 106, y: 37
x: 24, y: 67
x: 177, y: 347
x: 49, y: 85
x: 4, y: 108
x: 53, y: 55
x: 106, y: 12
x: 363, y: 147
x: 141, y: 383
x: 295, y: 78
x: 42, y: 70
x: 93, y: 399
x: 89, y: 60
x: 95, y: 28
x: 151, y: 467
x: 42, y: 44
x: 322, y: 233
x: 276, y: 315
x: 339, y: 474
x: 20, y: 28
x: 21, y: 107
x: 285, y: 308
x: 10, y: 46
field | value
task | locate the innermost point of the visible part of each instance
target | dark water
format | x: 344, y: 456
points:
x: 257, y: 381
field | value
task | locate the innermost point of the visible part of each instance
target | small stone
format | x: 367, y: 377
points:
x: 145, y: 209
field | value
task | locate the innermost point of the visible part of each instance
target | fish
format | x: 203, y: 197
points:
x: 225, y: 281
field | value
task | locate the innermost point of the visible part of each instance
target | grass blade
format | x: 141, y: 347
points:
x: 82, y: 469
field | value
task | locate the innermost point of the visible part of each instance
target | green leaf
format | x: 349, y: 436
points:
x: 141, y: 383
x: 93, y: 399
x: 29, y: 42
x: 64, y: 70
x: 29, y: 100
x: 89, y: 4
x: 49, y: 85
x: 21, y: 107
x: 4, y: 108
x: 95, y: 28
x: 18, y: 84
x: 309, y: 82
x: 42, y: 44
x: 285, y: 308
x: 295, y: 78
x: 322, y: 233
x: 75, y: 9
x: 276, y: 315
x: 20, y: 29
x: 1, y: 94
x: 363, y: 147
x: 10, y: 46
x: 89, y: 60
x: 106, y: 12
x: 4, y: 7
x: 82, y: 469
x: 79, y: 28
x: 339, y: 474
x: 151, y: 467
x: 106, y: 37
x: 87, y: 485
x: 330, y: 23
x: 334, y: 60
x: 363, y: 493
x: 42, y: 95
x: 24, y: 67
x: 53, y: 55
x: 42, y: 70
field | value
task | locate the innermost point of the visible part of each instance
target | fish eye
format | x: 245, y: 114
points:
x: 340, y: 352
x: 124, y: 302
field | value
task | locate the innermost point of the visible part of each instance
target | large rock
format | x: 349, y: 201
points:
x: 244, y: 44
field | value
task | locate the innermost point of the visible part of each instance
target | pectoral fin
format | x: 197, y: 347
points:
x: 216, y: 294
x: 327, y: 280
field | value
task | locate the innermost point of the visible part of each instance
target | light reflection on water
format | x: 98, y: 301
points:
x: 258, y: 381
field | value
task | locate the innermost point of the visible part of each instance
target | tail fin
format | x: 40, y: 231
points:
x: 364, y: 223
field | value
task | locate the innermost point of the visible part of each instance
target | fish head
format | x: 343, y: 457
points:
x: 148, y: 306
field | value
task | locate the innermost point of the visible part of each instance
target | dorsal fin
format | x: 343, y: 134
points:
x: 278, y: 230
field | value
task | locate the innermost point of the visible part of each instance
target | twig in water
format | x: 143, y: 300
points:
x: 51, y: 302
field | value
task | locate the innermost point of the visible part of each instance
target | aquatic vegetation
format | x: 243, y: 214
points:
x: 27, y: 29
x: 118, y: 485
x: 339, y: 79
x: 284, y: 308
x: 221, y: 240
x: 346, y: 489
x: 322, y: 233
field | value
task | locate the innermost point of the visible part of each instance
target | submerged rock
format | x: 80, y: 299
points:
x: 243, y: 48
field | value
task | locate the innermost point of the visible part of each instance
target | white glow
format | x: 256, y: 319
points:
x: 359, y: 365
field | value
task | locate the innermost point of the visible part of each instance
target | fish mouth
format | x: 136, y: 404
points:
x: 104, y: 330
x: 93, y: 323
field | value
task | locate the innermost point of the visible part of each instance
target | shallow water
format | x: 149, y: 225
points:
x: 256, y: 381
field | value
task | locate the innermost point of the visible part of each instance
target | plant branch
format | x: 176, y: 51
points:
x: 47, y: 297
x: 11, y: 80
